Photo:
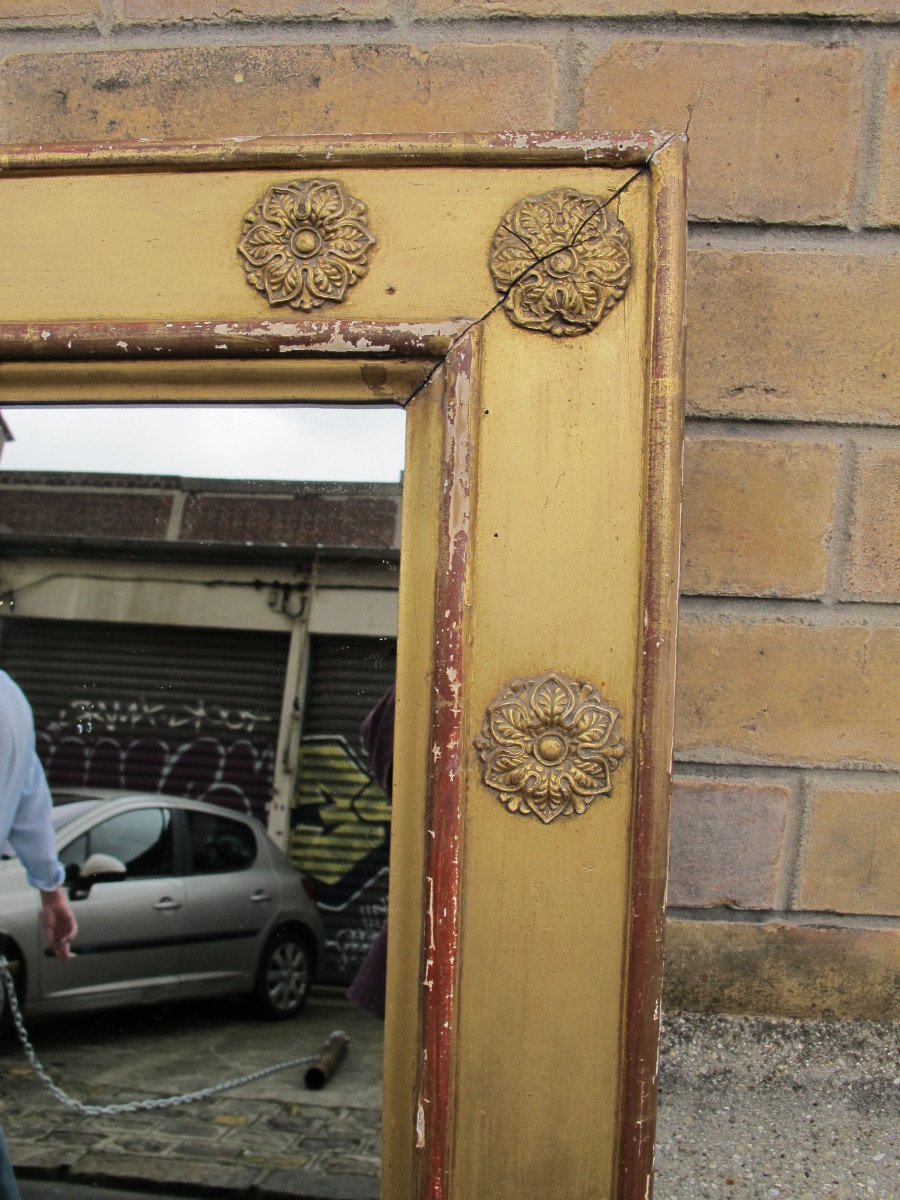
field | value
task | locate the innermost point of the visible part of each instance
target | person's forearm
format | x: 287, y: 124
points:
x: 32, y: 836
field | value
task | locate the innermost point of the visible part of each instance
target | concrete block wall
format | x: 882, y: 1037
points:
x: 784, y: 887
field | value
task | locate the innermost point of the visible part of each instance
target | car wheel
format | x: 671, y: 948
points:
x: 284, y: 976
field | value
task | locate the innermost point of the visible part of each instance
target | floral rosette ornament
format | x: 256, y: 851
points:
x: 561, y: 261
x: 549, y: 745
x: 306, y: 243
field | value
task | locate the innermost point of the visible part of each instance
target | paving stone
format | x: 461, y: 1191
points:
x: 37, y: 1157
x: 350, y: 1164
x: 319, y: 1187
x: 282, y: 1162
x: 220, y: 1151
x: 132, y: 1168
x: 136, y: 1145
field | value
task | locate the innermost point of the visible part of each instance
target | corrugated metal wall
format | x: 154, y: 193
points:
x: 191, y: 712
x: 341, y: 819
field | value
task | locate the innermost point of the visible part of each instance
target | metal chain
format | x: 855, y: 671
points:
x: 130, y: 1106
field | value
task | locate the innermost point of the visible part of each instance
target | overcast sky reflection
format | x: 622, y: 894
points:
x: 220, y: 443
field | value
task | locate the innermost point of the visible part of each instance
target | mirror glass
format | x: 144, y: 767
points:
x: 201, y: 603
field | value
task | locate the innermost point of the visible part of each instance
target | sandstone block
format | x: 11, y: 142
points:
x: 873, y: 569
x: 782, y: 970
x: 171, y: 12
x: 774, y: 126
x: 766, y: 692
x: 886, y: 203
x: 874, y: 10
x: 726, y: 843
x: 36, y: 14
x: 757, y: 517
x: 221, y: 91
x: 851, y: 853
x: 793, y: 336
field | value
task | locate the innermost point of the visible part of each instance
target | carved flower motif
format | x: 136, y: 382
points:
x: 305, y: 243
x: 549, y: 745
x: 563, y: 260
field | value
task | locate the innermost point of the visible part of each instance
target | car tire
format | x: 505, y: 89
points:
x: 284, y: 976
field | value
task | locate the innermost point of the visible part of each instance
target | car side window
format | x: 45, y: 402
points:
x: 220, y: 844
x: 76, y: 851
x: 142, y: 839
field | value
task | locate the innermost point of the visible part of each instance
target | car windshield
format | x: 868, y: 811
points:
x: 70, y: 811
x: 65, y: 814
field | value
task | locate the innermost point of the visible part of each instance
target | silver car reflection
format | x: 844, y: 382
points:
x: 174, y: 899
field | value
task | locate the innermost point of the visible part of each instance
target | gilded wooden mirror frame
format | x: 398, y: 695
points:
x: 538, y: 576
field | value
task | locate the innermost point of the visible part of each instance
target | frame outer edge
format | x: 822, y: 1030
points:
x: 649, y: 832
x: 508, y: 149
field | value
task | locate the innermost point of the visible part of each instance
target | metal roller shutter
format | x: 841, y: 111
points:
x: 341, y: 819
x: 191, y: 712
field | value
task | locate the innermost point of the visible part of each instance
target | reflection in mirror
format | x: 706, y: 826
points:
x: 202, y: 604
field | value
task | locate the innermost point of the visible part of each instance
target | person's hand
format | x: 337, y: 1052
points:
x: 58, y: 922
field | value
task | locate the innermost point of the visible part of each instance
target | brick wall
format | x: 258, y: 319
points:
x: 784, y: 889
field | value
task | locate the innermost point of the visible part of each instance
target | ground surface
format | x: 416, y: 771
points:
x: 749, y: 1109
x: 755, y: 1109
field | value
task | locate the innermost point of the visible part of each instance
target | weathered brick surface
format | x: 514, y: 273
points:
x: 873, y: 569
x: 789, y: 970
x: 744, y: 533
x: 726, y: 844
x: 216, y: 92
x: 792, y: 336
x: 36, y: 14
x: 786, y: 693
x: 775, y: 126
x: 886, y: 205
x: 90, y: 514
x: 851, y: 853
x: 297, y: 521
x: 169, y: 12
x: 872, y: 9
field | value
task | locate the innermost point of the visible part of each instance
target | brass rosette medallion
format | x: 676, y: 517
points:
x: 306, y: 243
x: 561, y: 261
x: 549, y: 745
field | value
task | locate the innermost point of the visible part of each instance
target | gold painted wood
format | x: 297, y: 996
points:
x: 199, y: 382
x: 541, y: 499
x: 434, y: 228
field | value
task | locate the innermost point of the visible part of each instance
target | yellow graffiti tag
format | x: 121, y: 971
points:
x: 352, y: 812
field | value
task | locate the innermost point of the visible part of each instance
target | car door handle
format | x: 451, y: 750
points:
x: 166, y: 904
x: 259, y: 895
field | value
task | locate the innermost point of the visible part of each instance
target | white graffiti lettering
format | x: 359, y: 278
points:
x: 89, y: 716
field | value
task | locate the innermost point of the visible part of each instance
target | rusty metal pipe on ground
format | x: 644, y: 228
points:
x: 330, y: 1058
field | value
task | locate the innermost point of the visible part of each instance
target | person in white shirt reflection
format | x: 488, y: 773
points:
x: 25, y: 823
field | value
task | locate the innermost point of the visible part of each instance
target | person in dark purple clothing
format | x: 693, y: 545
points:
x: 368, y: 988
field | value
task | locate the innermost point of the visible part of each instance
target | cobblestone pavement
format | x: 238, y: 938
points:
x: 750, y: 1109
x: 269, y: 1138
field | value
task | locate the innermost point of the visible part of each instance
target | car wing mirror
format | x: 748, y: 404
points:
x: 97, y: 868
